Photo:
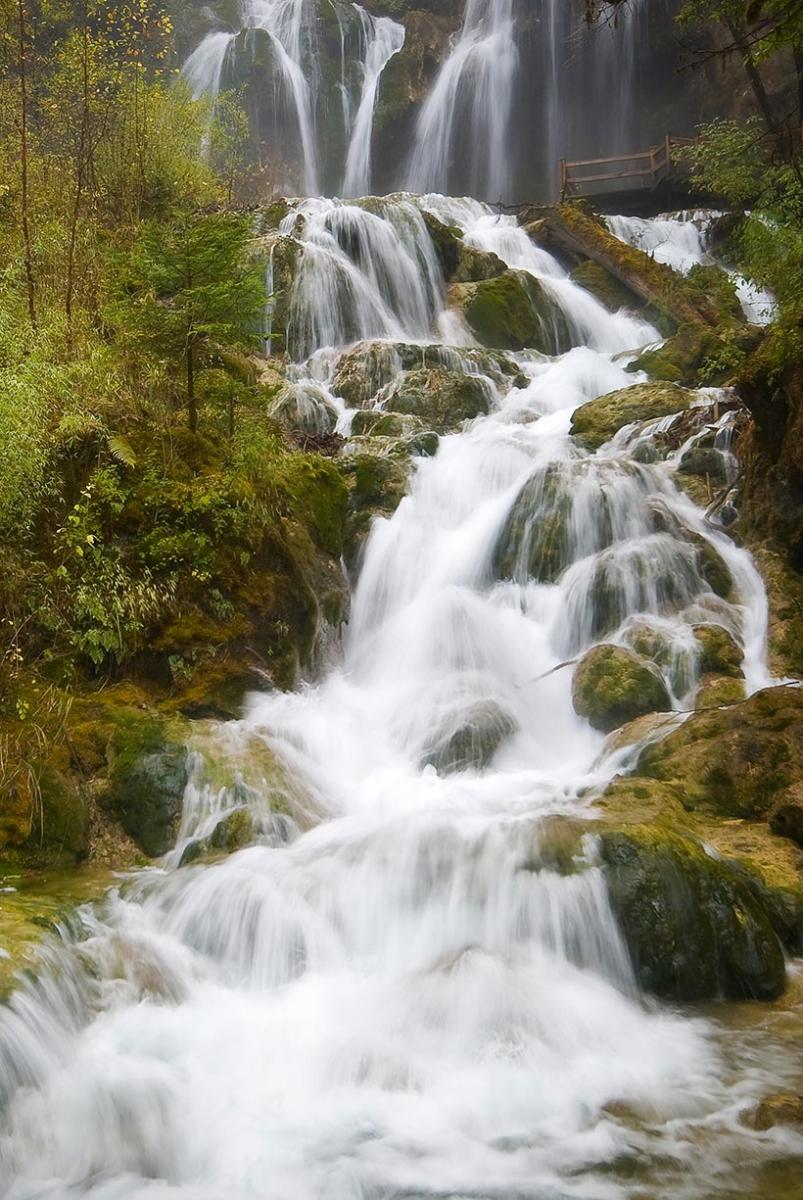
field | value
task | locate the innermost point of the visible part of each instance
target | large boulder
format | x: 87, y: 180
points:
x: 612, y: 685
x: 596, y: 422
x: 377, y: 475
x: 693, y: 924
x: 512, y: 312
x: 443, y: 399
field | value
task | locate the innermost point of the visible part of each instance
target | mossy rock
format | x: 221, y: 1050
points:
x: 720, y: 653
x: 612, y: 685
x: 596, y: 422
x: 606, y: 287
x: 786, y: 814
x: 705, y: 461
x: 734, y: 761
x: 236, y: 831
x: 472, y: 740
x: 534, y: 540
x: 377, y: 483
x: 304, y: 408
x: 785, y: 598
x: 694, y: 927
x: 148, y: 774
x: 447, y: 240
x: 714, y: 691
x: 442, y: 399
x: 475, y: 265
x: 512, y: 312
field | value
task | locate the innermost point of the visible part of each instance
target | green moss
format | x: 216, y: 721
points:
x: 512, y: 312
x: 734, y: 761
x: 694, y: 928
x: 147, y: 778
x: 612, y: 685
x: 719, y: 651
x: 596, y: 422
x: 606, y: 287
x: 443, y: 399
x: 715, y: 690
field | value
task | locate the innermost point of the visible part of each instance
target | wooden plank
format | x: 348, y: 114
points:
x: 611, y: 175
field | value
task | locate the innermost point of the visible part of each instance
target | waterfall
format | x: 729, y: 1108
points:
x: 463, y: 128
x: 382, y: 39
x: 399, y: 992
x: 300, y: 95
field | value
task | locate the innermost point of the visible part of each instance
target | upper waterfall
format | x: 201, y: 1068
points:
x: 480, y: 98
x: 463, y: 129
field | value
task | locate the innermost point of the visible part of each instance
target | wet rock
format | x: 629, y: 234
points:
x: 693, y: 926
x: 596, y: 422
x: 147, y: 777
x: 719, y: 651
x: 612, y: 685
x: 377, y: 483
x: 443, y: 399
x: 305, y: 408
x: 474, y: 265
x: 512, y: 312
x: 234, y: 832
x: 782, y: 1108
x: 714, y: 691
x: 597, y: 280
x: 705, y: 461
x: 472, y: 740
x: 735, y: 761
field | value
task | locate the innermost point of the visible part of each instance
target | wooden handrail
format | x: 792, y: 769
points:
x: 657, y: 161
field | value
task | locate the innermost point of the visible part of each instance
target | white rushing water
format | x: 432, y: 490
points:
x: 408, y: 999
x: 468, y: 111
x: 367, y: 44
x: 681, y: 240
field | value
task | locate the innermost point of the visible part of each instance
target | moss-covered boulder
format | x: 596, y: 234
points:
x: 719, y: 652
x: 734, y: 761
x: 304, y: 408
x: 377, y: 482
x: 474, y: 265
x: 693, y: 925
x: 443, y: 399
x: 470, y: 740
x: 596, y: 422
x: 613, y: 685
x: 512, y: 312
x: 147, y: 778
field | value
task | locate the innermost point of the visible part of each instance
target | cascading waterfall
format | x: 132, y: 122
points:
x: 408, y: 998
x: 469, y: 108
x: 681, y: 240
x: 367, y: 44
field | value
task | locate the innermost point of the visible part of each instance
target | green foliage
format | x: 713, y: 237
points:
x: 187, y: 288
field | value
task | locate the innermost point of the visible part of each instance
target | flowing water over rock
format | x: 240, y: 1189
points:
x: 400, y: 989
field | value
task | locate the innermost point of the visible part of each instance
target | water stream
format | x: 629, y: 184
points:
x: 393, y: 992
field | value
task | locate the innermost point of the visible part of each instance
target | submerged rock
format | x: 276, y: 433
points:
x: 596, y: 422
x: 613, y: 685
x: 472, y: 741
x: 782, y: 1108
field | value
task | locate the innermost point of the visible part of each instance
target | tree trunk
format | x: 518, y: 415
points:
x: 79, y: 186
x: 24, y: 203
x: 753, y: 74
x: 192, y: 404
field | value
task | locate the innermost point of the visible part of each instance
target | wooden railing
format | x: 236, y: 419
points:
x: 631, y: 171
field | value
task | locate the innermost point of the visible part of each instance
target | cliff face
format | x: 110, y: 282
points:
x: 577, y: 92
